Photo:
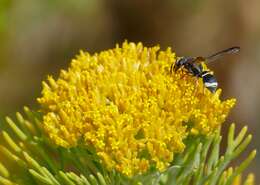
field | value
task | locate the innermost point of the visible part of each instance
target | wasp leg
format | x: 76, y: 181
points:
x: 171, y: 68
x: 196, y: 85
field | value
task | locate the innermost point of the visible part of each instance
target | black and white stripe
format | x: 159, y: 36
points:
x: 209, y: 81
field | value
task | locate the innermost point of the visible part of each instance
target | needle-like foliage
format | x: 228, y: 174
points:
x: 28, y: 157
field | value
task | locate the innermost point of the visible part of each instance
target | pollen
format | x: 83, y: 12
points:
x: 127, y: 104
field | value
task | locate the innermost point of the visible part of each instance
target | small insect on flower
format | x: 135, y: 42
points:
x: 196, y: 67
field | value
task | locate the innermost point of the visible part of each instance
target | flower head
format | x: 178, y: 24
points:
x: 127, y: 104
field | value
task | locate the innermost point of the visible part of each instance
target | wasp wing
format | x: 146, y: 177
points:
x: 220, y: 54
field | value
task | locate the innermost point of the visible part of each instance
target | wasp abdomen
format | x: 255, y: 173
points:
x: 209, y: 81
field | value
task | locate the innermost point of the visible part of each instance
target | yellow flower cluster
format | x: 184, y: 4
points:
x: 128, y: 105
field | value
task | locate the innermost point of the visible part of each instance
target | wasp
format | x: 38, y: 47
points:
x: 194, y: 66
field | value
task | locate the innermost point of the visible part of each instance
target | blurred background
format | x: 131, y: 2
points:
x: 41, y: 37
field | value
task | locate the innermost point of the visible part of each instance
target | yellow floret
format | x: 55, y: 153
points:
x: 128, y: 105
